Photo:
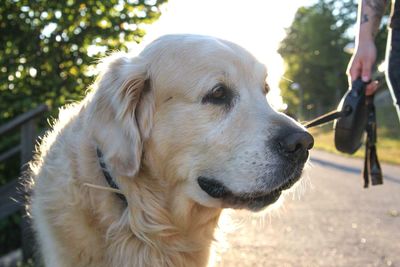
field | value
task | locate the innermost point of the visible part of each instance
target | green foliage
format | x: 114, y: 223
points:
x: 44, y: 46
x: 313, y: 51
x: 47, y: 49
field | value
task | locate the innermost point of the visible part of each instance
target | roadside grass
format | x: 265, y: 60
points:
x: 388, y: 145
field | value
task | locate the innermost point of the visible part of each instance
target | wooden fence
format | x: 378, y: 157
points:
x: 11, y: 194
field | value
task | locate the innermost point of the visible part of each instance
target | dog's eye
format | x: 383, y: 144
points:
x: 219, y: 95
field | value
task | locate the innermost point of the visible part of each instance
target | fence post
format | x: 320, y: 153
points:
x: 28, y: 139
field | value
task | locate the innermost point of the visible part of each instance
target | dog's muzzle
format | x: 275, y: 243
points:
x: 293, y: 149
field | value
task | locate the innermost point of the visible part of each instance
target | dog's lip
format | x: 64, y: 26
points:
x: 253, y: 203
x: 254, y: 200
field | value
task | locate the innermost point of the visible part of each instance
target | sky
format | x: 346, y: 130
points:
x: 257, y: 25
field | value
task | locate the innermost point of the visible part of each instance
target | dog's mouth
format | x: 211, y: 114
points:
x: 254, y: 201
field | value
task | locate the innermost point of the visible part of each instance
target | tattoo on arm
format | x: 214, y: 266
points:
x: 378, y: 9
x: 364, y: 18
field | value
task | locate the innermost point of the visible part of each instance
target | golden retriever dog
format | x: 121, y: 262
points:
x: 137, y: 173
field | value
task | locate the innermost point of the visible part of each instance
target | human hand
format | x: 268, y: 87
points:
x: 361, y: 64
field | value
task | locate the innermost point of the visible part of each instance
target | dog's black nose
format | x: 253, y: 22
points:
x: 297, y: 141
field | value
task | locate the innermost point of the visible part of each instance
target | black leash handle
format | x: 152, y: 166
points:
x: 359, y: 116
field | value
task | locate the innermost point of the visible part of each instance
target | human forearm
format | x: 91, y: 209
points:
x: 370, y: 15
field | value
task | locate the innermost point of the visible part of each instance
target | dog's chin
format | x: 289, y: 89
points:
x: 254, y: 201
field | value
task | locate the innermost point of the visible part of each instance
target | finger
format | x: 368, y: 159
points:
x: 371, y: 88
x: 355, y: 71
x: 366, y: 73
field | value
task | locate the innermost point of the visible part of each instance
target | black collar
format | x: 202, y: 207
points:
x: 108, y: 176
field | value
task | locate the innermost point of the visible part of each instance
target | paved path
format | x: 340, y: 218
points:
x: 335, y: 222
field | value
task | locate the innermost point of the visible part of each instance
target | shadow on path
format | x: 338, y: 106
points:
x: 353, y: 170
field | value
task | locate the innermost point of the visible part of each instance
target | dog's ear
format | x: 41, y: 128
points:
x: 121, y: 112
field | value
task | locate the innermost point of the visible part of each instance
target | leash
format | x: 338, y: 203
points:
x: 372, y: 168
x: 328, y: 117
x: 355, y: 116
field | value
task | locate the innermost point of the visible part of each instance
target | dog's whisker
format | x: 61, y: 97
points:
x: 287, y: 79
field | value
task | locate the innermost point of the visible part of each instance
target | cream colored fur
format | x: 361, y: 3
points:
x: 145, y: 113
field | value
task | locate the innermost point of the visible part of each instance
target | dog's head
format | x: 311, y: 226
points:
x: 192, y: 111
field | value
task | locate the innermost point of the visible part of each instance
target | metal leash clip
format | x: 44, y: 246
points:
x: 355, y: 116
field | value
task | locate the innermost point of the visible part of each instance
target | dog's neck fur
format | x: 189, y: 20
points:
x: 168, y: 231
x: 177, y: 231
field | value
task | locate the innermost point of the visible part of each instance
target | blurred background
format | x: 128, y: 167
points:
x: 48, y: 50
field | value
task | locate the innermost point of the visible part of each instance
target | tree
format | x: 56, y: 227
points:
x: 314, y: 57
x: 44, y: 46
